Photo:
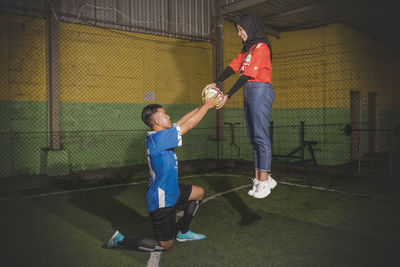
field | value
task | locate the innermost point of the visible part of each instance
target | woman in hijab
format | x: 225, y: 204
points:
x: 254, y: 65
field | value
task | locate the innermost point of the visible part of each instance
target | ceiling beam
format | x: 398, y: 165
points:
x: 268, y: 28
x: 296, y: 10
x: 319, y: 23
x: 291, y: 12
x: 240, y: 5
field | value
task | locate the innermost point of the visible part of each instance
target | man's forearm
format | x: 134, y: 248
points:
x: 194, y: 118
x: 187, y: 115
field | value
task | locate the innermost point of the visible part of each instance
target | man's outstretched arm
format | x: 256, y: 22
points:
x: 187, y: 115
x: 191, y: 119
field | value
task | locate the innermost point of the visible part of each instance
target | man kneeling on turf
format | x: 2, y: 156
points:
x: 164, y: 194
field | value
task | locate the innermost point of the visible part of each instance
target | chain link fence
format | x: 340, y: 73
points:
x: 23, y: 94
x: 315, y: 72
x: 109, y: 76
x: 72, y: 94
x: 83, y: 112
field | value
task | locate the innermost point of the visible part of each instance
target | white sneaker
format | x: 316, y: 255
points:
x: 263, y: 190
x: 256, y: 182
x: 271, y: 182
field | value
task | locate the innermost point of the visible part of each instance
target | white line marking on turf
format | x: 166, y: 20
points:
x: 73, y: 191
x: 341, y: 191
x: 326, y: 189
x: 197, y: 175
x: 225, y: 192
x: 180, y: 213
x: 91, y: 188
x: 154, y: 259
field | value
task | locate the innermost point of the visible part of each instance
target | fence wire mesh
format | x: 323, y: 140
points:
x: 85, y: 113
x: 314, y: 74
x: 23, y: 93
x: 72, y: 94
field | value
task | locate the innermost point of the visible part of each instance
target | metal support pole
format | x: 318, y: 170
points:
x: 373, y: 122
x: 52, y: 79
x: 355, y: 122
x: 359, y: 154
x: 390, y: 155
x: 218, y: 58
x: 302, y: 133
x: 271, y: 134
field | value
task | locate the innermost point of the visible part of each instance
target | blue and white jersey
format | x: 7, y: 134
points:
x: 163, y: 190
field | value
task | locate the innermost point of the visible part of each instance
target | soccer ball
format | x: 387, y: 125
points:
x: 211, y: 92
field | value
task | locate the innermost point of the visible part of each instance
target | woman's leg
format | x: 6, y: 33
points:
x: 247, y: 108
x: 257, y: 107
x: 258, y: 102
x: 262, y: 131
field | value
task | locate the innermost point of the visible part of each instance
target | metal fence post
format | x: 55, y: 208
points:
x: 218, y: 62
x: 373, y: 122
x: 302, y: 141
x: 355, y: 122
x: 390, y: 154
x: 271, y: 134
x: 52, y: 79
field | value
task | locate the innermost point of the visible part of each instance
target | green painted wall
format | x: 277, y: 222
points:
x: 322, y: 125
x: 330, y: 138
x: 95, y: 135
x: 121, y: 140
x: 23, y: 128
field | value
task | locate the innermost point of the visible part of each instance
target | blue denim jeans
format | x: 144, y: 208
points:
x: 258, y: 99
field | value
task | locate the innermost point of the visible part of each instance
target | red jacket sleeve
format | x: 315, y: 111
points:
x: 236, y: 63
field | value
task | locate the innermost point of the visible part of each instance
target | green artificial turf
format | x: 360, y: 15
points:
x: 292, y: 227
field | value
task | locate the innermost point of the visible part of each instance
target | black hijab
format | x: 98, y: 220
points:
x: 254, y: 27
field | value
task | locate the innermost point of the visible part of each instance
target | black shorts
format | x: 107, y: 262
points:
x: 164, y: 219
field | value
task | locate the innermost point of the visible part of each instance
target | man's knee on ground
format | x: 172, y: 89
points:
x: 197, y: 193
x: 167, y: 245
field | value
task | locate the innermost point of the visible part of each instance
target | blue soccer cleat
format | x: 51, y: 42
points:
x: 189, y: 236
x: 116, y: 237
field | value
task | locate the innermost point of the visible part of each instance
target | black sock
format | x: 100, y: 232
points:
x: 190, y: 209
x: 144, y: 244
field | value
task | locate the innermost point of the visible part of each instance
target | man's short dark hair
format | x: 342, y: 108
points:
x: 148, y: 112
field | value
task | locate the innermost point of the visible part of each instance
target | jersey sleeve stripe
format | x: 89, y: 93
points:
x: 161, y: 198
x: 178, y: 129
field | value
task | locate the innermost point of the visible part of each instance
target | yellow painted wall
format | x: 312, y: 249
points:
x: 317, y: 68
x: 22, y: 58
x: 100, y: 65
x: 298, y: 69
x: 311, y: 68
